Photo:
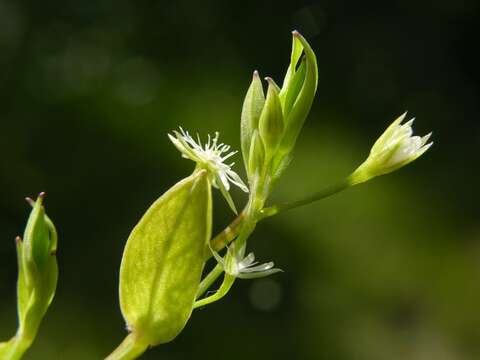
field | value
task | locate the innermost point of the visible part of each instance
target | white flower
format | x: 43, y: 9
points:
x: 241, y: 267
x: 211, y: 157
x: 395, y: 148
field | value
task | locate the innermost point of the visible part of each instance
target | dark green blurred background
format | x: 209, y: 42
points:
x: 388, y: 270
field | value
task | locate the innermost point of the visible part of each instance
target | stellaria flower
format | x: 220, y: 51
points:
x: 244, y: 267
x: 395, y: 148
x: 211, y: 156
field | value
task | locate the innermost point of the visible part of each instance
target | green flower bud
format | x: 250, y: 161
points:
x: 38, y: 242
x: 256, y: 156
x: 395, y: 148
x: 37, y: 278
x: 37, y: 261
x: 271, y: 120
x: 298, y: 90
x: 163, y: 261
x: 297, y: 51
x: 251, y: 110
x: 280, y: 117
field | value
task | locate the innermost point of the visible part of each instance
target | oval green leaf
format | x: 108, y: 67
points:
x: 164, y: 258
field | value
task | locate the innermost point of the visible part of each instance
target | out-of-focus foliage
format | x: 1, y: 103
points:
x: 387, y: 270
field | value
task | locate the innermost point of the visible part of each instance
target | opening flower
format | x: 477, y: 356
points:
x: 246, y: 267
x: 210, y: 156
x: 395, y: 148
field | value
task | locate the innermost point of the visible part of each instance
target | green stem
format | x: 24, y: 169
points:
x: 130, y: 348
x: 242, y: 227
x: 15, y: 348
x: 244, y: 232
x: 228, y: 234
x: 209, y: 280
x: 245, y: 221
x: 224, y: 288
x: 331, y: 190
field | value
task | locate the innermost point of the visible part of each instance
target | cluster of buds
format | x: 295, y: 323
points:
x: 270, y: 125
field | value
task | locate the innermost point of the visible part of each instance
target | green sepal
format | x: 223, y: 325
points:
x: 256, y: 157
x: 297, y: 50
x: 251, y: 110
x: 36, y: 237
x: 300, y: 104
x: 227, y: 197
x: 274, y: 84
x: 293, y: 89
x: 271, y: 124
x: 164, y: 258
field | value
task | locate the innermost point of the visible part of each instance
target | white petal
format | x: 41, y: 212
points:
x: 259, y: 274
x: 424, y: 148
x: 425, y: 138
x: 235, y: 179
x: 185, y: 150
x: 262, y: 267
x: 249, y: 259
x: 224, y: 179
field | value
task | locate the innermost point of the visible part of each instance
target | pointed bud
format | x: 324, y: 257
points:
x: 298, y: 91
x: 37, y: 236
x: 297, y: 51
x: 271, y: 120
x: 163, y: 261
x: 37, y: 270
x: 256, y: 156
x: 251, y: 110
x: 395, y: 148
x: 274, y: 84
